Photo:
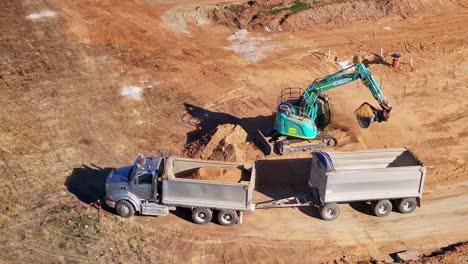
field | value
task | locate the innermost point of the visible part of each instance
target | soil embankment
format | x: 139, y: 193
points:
x: 274, y: 15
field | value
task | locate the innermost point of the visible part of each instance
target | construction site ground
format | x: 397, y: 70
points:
x: 88, y: 85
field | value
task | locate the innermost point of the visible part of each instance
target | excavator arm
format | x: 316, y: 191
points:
x: 366, y: 113
x: 300, y: 119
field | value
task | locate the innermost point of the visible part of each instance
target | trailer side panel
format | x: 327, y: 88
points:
x: 373, y: 184
x: 198, y: 193
x: 367, y: 175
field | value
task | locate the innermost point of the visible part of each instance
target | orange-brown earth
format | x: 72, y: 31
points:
x: 88, y: 85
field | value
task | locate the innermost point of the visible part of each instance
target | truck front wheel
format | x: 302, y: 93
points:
x: 407, y: 205
x: 227, y: 218
x: 201, y: 216
x: 329, y: 211
x: 124, y: 208
x: 382, y: 208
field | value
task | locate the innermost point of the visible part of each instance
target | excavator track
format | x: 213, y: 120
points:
x: 288, y: 146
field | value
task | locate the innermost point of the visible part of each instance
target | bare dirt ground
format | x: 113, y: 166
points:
x: 88, y: 85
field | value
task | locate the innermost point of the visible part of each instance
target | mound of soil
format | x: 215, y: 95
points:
x: 227, y: 142
x: 275, y: 15
x: 223, y: 174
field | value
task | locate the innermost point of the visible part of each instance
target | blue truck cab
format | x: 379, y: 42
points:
x: 155, y: 185
x: 130, y: 188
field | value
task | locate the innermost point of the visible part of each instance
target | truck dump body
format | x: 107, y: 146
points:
x: 366, y: 175
x: 179, y: 189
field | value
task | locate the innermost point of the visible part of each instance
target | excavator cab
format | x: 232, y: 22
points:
x: 324, y: 114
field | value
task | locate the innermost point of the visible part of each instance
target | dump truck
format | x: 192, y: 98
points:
x: 384, y: 178
x: 155, y: 185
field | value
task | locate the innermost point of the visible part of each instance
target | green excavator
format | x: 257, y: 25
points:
x: 302, y: 115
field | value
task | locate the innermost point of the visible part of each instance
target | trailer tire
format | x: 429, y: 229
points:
x: 332, y: 142
x: 124, y: 209
x: 329, y: 211
x: 201, y: 215
x: 382, y: 208
x: 407, y: 205
x: 227, y: 217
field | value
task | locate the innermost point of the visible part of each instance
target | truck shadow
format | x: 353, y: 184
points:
x: 279, y: 179
x: 206, y: 121
x: 88, y: 183
x: 184, y: 213
x: 362, y: 207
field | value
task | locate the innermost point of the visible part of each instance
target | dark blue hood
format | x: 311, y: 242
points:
x: 119, y: 175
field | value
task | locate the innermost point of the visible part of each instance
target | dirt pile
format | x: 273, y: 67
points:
x: 457, y: 253
x: 274, y: 15
x: 223, y: 174
x: 227, y: 142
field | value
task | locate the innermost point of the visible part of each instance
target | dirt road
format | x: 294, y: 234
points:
x: 87, y: 85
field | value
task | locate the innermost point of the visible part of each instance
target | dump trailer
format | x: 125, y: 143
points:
x: 385, y: 178
x: 155, y: 185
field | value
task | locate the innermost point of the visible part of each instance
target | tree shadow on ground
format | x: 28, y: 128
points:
x: 206, y: 121
x: 88, y: 183
x: 377, y: 60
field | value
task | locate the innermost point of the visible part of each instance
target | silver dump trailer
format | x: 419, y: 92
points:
x: 214, y: 195
x: 386, y: 178
x: 155, y: 185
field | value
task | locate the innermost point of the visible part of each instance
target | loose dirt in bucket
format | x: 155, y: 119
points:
x: 365, y: 110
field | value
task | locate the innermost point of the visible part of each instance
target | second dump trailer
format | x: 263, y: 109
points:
x: 386, y: 178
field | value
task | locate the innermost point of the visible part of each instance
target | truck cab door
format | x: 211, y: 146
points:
x: 141, y: 186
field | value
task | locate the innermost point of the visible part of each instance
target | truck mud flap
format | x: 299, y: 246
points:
x: 263, y: 143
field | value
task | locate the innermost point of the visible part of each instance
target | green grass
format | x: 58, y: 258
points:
x: 297, y: 6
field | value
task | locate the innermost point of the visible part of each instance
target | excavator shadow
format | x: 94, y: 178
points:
x: 206, y: 121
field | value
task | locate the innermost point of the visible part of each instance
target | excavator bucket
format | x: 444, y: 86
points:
x: 264, y: 143
x: 366, y: 114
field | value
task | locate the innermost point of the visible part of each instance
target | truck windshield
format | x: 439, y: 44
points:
x: 131, y: 175
x: 161, y: 168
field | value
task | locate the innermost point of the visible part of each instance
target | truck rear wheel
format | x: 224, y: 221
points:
x: 124, y: 208
x: 407, y: 205
x: 329, y: 211
x: 227, y: 217
x: 332, y: 142
x: 201, y: 215
x: 382, y: 208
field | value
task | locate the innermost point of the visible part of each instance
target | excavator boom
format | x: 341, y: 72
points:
x: 300, y: 119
